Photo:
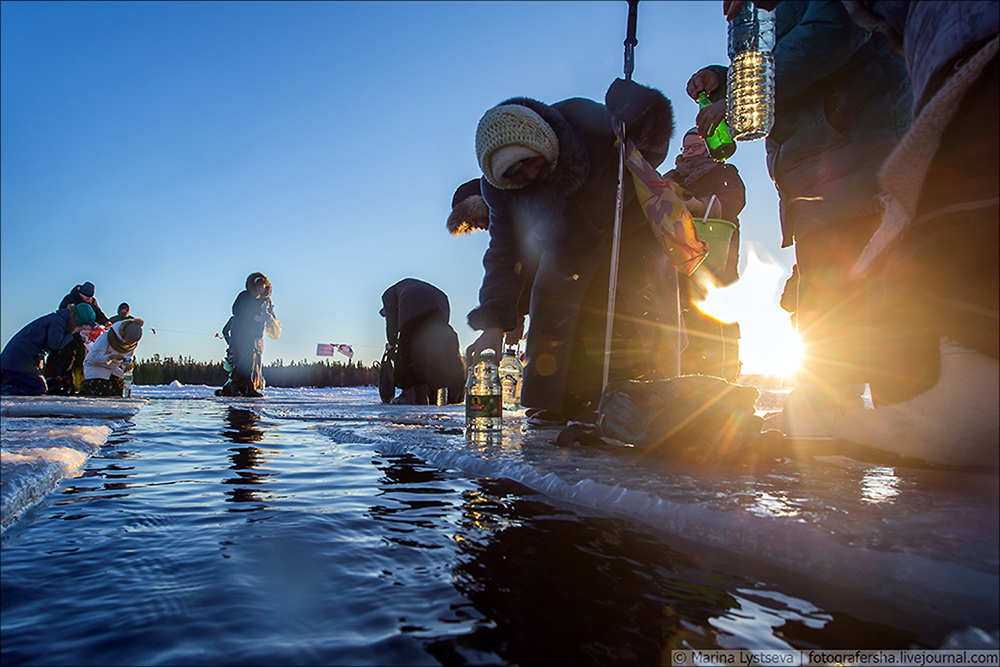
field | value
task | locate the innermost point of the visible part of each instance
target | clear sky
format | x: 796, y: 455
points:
x: 166, y: 150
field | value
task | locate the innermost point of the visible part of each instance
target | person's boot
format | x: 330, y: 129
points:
x: 406, y: 397
x: 952, y: 423
x: 226, y: 389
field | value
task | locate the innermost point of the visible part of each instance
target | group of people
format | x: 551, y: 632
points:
x: 884, y: 155
x: 76, y: 349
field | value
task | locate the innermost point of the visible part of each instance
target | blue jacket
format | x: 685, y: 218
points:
x: 26, y: 350
x: 841, y: 103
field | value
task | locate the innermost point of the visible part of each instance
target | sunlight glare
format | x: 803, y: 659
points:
x: 768, y: 342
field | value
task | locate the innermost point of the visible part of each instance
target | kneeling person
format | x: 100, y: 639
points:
x: 427, y: 356
x: 108, y: 357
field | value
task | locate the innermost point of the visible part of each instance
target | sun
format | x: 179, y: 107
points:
x: 768, y: 342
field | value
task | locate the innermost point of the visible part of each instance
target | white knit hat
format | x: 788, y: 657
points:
x: 513, y: 124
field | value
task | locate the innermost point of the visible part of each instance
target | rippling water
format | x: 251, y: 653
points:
x: 204, y: 533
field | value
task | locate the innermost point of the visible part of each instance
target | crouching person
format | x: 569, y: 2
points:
x: 108, y: 357
x: 22, y: 358
x: 427, y: 357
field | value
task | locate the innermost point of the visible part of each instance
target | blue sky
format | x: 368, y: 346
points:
x: 166, y: 150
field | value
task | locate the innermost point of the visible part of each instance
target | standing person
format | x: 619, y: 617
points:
x: 123, y: 313
x: 713, y: 346
x: 252, y: 313
x: 841, y: 103
x: 64, y: 369
x: 935, y: 259
x: 550, y: 178
x: 427, y: 356
x: 23, y: 355
x: 108, y: 357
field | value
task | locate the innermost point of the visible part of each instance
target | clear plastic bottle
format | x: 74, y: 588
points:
x: 510, y: 379
x: 720, y: 145
x: 750, y: 85
x: 483, y: 404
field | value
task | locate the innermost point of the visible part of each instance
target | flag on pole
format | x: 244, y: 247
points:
x: 329, y: 349
x: 666, y: 213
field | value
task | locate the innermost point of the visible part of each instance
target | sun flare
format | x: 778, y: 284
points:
x: 768, y: 342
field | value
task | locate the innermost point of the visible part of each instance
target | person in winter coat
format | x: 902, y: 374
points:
x: 22, y: 357
x: 64, y: 369
x: 427, y: 356
x: 123, y: 313
x: 109, y: 356
x: 470, y: 213
x: 934, y: 259
x: 713, y: 345
x: 550, y: 179
x: 841, y: 103
x: 252, y: 313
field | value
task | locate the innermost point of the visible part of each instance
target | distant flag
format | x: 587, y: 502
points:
x: 328, y: 350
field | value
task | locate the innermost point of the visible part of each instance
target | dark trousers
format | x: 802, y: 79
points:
x: 427, y: 353
x: 830, y: 312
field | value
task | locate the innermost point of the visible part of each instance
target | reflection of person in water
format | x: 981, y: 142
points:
x: 245, y: 460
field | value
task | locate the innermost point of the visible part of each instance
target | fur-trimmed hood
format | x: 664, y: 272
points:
x: 469, y: 211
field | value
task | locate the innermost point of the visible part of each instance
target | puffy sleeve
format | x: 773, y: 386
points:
x: 504, y: 276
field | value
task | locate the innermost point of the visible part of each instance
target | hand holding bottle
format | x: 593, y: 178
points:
x: 490, y: 339
x: 702, y: 80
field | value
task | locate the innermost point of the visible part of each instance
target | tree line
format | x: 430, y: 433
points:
x: 276, y: 374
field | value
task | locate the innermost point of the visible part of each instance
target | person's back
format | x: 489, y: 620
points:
x: 427, y: 356
x: 22, y: 357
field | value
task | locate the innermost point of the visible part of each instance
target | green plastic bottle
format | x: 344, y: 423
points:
x: 720, y: 144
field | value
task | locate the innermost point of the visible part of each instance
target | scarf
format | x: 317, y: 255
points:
x: 903, y: 172
x: 690, y: 169
x: 118, y: 344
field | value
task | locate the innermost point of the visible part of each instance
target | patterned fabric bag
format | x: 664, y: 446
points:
x: 661, y: 202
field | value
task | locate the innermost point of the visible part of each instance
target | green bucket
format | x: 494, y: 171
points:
x: 718, y: 234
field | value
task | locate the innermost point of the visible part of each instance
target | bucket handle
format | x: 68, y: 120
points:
x: 711, y: 203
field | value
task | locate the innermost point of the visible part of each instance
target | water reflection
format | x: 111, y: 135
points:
x: 546, y: 586
x: 880, y: 484
x: 246, y: 461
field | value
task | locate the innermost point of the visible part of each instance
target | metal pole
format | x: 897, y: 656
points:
x: 630, y: 44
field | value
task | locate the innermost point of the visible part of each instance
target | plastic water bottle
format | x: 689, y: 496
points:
x: 483, y: 405
x: 750, y: 85
x: 127, y: 387
x: 510, y: 379
x: 720, y: 144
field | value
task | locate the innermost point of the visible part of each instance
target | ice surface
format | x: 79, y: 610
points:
x: 908, y: 538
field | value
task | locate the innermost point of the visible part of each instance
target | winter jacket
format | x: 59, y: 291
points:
x: 250, y: 316
x: 564, y: 227
x: 725, y: 183
x: 102, y: 360
x: 409, y: 299
x: 841, y: 103
x: 939, y: 35
x: 74, y: 298
x: 26, y: 350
